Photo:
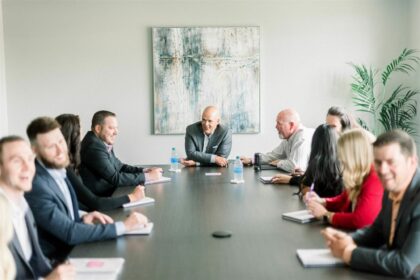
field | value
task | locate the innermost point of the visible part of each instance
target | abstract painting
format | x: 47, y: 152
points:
x: 194, y: 67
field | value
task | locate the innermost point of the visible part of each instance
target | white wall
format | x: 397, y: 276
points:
x: 414, y: 42
x: 3, y: 96
x: 82, y: 56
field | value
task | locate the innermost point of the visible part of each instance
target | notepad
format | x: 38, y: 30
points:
x: 318, y: 258
x: 213, y: 173
x: 161, y: 180
x: 266, y: 179
x: 97, y: 268
x: 303, y: 216
x: 141, y: 231
x: 146, y: 200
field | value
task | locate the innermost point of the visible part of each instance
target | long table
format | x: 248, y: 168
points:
x: 192, y: 206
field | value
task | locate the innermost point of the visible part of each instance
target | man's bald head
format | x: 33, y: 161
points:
x: 210, y: 119
x: 288, y: 122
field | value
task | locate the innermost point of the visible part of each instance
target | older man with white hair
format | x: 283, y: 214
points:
x: 293, y: 152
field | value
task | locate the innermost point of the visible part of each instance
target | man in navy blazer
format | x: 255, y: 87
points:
x: 100, y: 169
x: 16, y: 172
x: 207, y: 142
x: 53, y: 201
x: 391, y: 245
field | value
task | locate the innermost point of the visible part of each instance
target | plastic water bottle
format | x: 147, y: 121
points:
x: 174, y: 159
x: 238, y: 170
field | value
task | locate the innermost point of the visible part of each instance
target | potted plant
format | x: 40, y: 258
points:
x: 385, y: 109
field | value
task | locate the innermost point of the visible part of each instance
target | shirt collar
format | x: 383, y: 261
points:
x: 60, y: 173
x: 19, y: 208
x: 108, y: 147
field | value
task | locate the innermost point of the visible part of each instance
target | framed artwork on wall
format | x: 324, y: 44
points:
x: 194, y: 67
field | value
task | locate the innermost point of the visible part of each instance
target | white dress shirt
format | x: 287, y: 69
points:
x: 18, y: 212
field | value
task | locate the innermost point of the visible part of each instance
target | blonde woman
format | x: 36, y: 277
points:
x: 7, y: 264
x: 360, y: 202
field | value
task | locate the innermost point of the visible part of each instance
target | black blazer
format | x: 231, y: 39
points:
x: 39, y: 265
x: 58, y: 233
x: 102, y: 171
x: 88, y: 201
x: 402, y: 259
x: 220, y: 143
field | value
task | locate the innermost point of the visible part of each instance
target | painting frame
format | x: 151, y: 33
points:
x: 194, y: 67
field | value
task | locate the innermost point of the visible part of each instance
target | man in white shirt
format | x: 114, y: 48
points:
x: 292, y: 153
x: 17, y: 170
x: 54, y: 202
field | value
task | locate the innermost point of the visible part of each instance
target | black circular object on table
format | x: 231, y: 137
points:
x: 221, y: 234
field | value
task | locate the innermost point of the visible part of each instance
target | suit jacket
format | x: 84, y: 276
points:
x: 88, y: 201
x: 58, y: 233
x: 102, y: 171
x: 220, y: 143
x: 402, y: 258
x: 39, y: 265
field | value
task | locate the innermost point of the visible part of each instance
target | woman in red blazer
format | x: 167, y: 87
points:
x: 360, y: 202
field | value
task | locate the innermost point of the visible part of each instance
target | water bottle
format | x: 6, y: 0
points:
x: 174, y: 159
x: 238, y: 170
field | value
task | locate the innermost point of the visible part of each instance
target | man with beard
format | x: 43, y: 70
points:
x: 17, y: 170
x: 53, y: 201
x: 100, y: 169
x: 292, y: 153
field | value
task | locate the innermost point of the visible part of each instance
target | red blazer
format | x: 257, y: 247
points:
x: 368, y: 205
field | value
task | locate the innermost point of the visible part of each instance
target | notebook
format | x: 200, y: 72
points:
x: 266, y: 179
x: 318, y: 258
x: 146, y: 200
x: 302, y: 216
x: 161, y: 180
x: 141, y: 231
x: 97, y: 268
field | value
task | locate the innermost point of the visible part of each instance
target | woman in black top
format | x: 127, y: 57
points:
x: 323, y: 167
x: 70, y: 127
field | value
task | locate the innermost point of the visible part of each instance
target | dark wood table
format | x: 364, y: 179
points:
x: 190, y: 207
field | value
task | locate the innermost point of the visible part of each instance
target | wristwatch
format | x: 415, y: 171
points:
x: 327, y: 217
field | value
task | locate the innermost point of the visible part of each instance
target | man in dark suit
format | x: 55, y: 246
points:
x: 391, y: 245
x: 16, y: 172
x: 53, y: 200
x: 100, y: 169
x: 207, y: 142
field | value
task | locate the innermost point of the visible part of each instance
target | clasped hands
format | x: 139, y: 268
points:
x: 220, y: 161
x: 341, y: 244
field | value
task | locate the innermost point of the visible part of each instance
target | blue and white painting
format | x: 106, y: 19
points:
x: 199, y: 66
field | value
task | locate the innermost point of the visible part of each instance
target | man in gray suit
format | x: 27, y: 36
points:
x: 207, y: 142
x: 54, y: 203
x: 16, y: 172
x: 391, y: 245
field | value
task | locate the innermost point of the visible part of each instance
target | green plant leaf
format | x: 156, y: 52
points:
x: 401, y: 64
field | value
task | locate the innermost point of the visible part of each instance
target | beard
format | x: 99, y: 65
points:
x: 54, y: 165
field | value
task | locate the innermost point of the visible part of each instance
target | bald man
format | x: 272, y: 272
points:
x: 292, y: 153
x: 207, y: 142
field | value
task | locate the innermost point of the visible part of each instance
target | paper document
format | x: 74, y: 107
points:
x: 213, y: 173
x: 266, y: 179
x: 146, y: 200
x: 97, y: 268
x: 302, y: 216
x: 318, y: 258
x: 161, y: 180
x: 141, y: 231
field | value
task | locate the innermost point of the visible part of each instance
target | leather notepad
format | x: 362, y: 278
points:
x: 302, y: 216
x: 146, y: 200
x: 318, y: 258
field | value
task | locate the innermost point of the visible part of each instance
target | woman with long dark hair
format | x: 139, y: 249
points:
x: 70, y: 127
x: 323, y: 167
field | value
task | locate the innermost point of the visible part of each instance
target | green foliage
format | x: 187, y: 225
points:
x: 386, y: 112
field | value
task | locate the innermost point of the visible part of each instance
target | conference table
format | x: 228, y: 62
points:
x: 192, y: 206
